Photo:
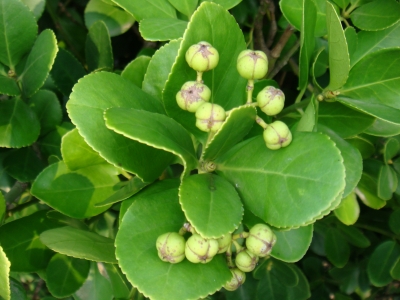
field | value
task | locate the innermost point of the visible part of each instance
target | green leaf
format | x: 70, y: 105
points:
x: 227, y: 4
x: 119, y: 283
x: 236, y: 126
x: 80, y: 244
x: 156, y: 210
x: 39, y: 62
x: 155, y: 130
x: 117, y: 20
x: 136, y: 70
x: 76, y: 153
x: 50, y: 144
x: 394, y: 221
x: 159, y: 69
x: 353, y: 236
x: 381, y: 262
x: 8, y: 85
x: 382, y: 128
x: 100, y: 91
x: 17, y: 290
x: 319, y: 65
x: 98, y: 50
x: 278, y: 269
x: 391, y: 147
x: 4, y: 275
x: 19, y: 125
x: 292, y: 245
x: 367, y: 192
x: 363, y: 145
x: 215, y: 25
x: 310, y: 117
x: 35, y: 6
x: 395, y: 271
x: 162, y: 29
x: 2, y: 208
x: 18, y: 31
x: 142, y: 9
x: 75, y: 193
x: 186, y: 7
x: 352, y: 42
x: 376, y: 15
x: 65, y: 275
x: 348, y: 210
x: 387, y: 182
x: 375, y: 79
x: 20, y: 242
x: 211, y: 205
x: 339, y: 60
x: 336, y: 247
x: 307, y: 41
x: 342, y: 3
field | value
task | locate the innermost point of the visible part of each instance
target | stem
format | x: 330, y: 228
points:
x: 261, y: 122
x: 345, y: 22
x: 132, y: 293
x: 346, y: 13
x: 199, y: 78
x: 228, y: 254
x: 300, y: 95
x: 273, y: 27
x: 237, y: 246
x: 259, y: 42
x: 23, y: 205
x: 294, y: 107
x: 241, y: 235
x: 250, y: 89
x: 16, y: 191
x: 282, y: 62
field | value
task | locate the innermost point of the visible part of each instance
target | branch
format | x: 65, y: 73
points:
x: 259, y: 42
x: 277, y: 50
x: 273, y: 27
x: 284, y: 60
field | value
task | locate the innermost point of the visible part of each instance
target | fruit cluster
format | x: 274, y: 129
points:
x: 173, y: 248
x: 194, y: 96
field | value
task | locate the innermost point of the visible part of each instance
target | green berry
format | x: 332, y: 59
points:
x: 200, y: 250
x: 202, y: 57
x: 271, y: 100
x: 261, y: 239
x: 224, y: 242
x: 277, y: 135
x: 246, y: 261
x: 238, y: 278
x: 210, y: 117
x: 192, y: 95
x: 171, y: 247
x: 252, y: 64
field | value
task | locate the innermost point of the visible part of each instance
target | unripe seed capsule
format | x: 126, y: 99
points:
x: 271, y: 100
x: 252, y: 64
x: 210, y: 117
x: 224, y: 243
x: 171, y: 247
x: 202, y: 57
x: 238, y: 278
x: 277, y: 135
x: 246, y: 261
x: 200, y: 250
x: 192, y: 95
x: 261, y: 239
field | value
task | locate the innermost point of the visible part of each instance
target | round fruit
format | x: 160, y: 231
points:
x: 252, y: 64
x: 210, y: 117
x: 238, y: 278
x: 224, y: 242
x: 277, y: 135
x: 171, y: 247
x: 246, y: 261
x: 202, y: 57
x: 200, y: 250
x: 192, y: 95
x: 271, y: 100
x: 261, y: 239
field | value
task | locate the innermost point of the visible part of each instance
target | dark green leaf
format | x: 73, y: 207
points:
x: 50, y: 144
x: 136, y: 70
x: 98, y: 48
x: 4, y: 275
x: 348, y: 210
x: 382, y: 128
x: 281, y: 270
x: 367, y: 192
x: 17, y: 290
x: 392, y: 146
x: 336, y: 247
x: 142, y: 9
x: 65, y: 275
x: 347, y: 277
x: 354, y: 236
x: 8, y: 84
x: 363, y: 145
x: 394, y: 221
x: 186, y: 7
x: 246, y: 291
x: 80, y: 244
x: 310, y: 117
x: 342, y: 3
x: 67, y: 221
x: 162, y: 29
x: 395, y: 271
x: 2, y: 208
x: 387, y: 182
x: 119, y: 283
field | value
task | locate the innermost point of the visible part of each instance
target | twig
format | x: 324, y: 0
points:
x: 273, y: 26
x: 284, y: 60
x: 16, y: 191
x: 259, y: 41
x: 277, y: 50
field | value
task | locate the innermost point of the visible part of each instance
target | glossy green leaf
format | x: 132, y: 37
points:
x: 47, y: 108
x: 363, y: 145
x: 215, y: 25
x: 119, y: 283
x: 20, y: 242
x: 35, y: 6
x: 117, y: 20
x: 307, y: 41
x: 159, y: 69
x: 162, y: 29
x: 19, y: 125
x: 376, y: 15
x: 382, y: 128
x: 236, y: 126
x: 320, y: 64
x: 353, y: 235
x: 309, y: 119
x: 392, y: 146
x: 336, y: 247
x: 67, y: 221
x: 310, y: 168
x: 278, y: 269
x: 348, y: 210
x: 367, y: 192
x: 80, y: 244
x: 342, y: 3
x: 186, y: 7
x: 76, y: 153
x: 4, y: 275
x: 75, y: 193
x: 352, y: 42
x: 292, y: 245
x: 211, y: 205
x: 339, y: 60
x: 149, y: 216
x: 18, y: 31
x: 8, y: 85
x: 50, y: 144
x: 100, y: 91
x: 227, y: 4
x: 387, y: 182
x: 136, y: 70
x: 65, y: 275
x: 395, y: 271
x: 394, y: 221
x: 381, y: 262
x: 142, y: 9
x: 98, y: 50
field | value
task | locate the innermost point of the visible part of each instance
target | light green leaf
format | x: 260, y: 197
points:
x: 159, y: 69
x: 353, y: 235
x: 381, y: 262
x: 215, y: 25
x: 162, y: 29
x: 4, y: 275
x: 117, y: 20
x: 143, y: 9
x: 342, y: 3
x: 367, y: 192
x: 352, y: 42
x: 156, y: 212
x: 98, y: 50
x: 100, y: 91
x: 120, y: 285
x: 292, y: 245
x: 186, y: 7
x: 310, y: 117
x: 80, y: 244
x: 348, y: 210
x: 310, y: 171
x: 8, y: 85
x: 18, y: 31
x: 19, y: 125
x: 382, y: 128
x: 395, y: 271
x: 376, y: 15
x: 36, y: 6
x: 20, y: 242
x: 235, y: 128
x: 76, y: 153
x: 39, y: 62
x: 136, y: 70
x: 65, y: 275
x: 339, y: 60
x: 319, y: 65
x: 336, y: 247
x: 387, y: 182
x: 227, y: 4
x: 211, y: 205
x: 391, y: 147
x: 394, y: 221
x: 75, y: 193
